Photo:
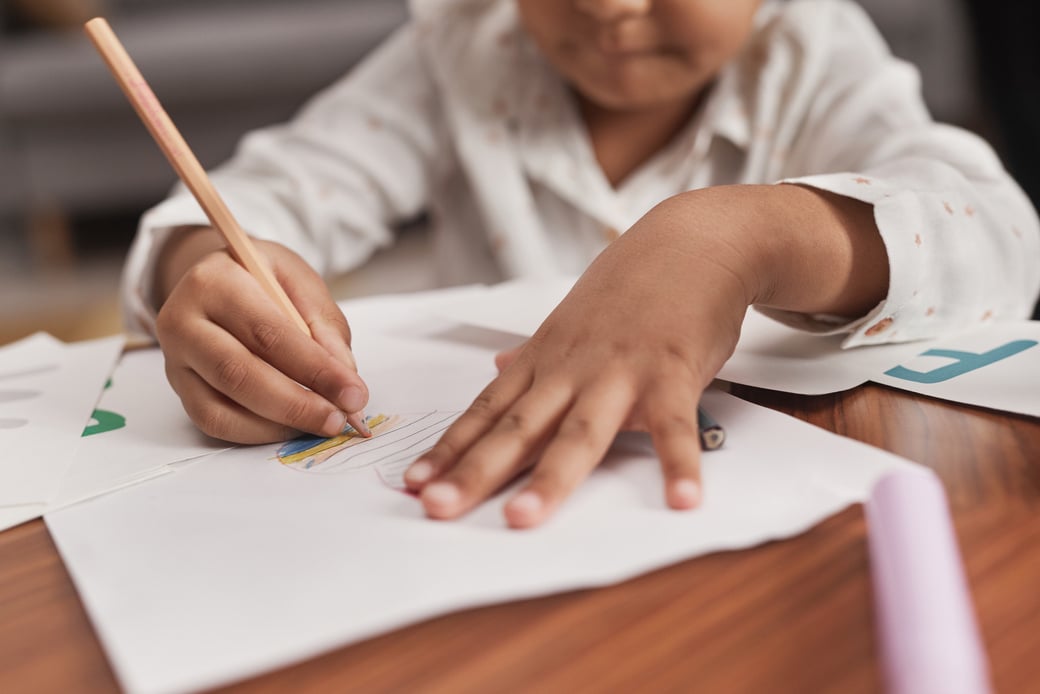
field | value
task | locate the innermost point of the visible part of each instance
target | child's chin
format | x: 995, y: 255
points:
x: 634, y: 87
x: 631, y: 99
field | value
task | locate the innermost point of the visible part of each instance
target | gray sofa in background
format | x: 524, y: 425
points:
x: 70, y: 143
x: 69, y: 140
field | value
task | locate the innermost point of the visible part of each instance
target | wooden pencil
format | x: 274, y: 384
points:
x: 190, y: 171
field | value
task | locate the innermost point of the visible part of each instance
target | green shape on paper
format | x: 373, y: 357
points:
x: 104, y: 421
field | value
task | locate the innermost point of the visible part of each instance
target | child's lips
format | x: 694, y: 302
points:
x: 616, y: 42
x: 625, y: 54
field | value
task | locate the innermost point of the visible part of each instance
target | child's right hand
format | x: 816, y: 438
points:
x: 236, y: 361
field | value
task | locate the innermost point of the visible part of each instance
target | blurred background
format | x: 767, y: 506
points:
x: 77, y: 168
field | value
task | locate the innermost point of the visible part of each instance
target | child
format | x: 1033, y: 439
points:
x: 771, y: 155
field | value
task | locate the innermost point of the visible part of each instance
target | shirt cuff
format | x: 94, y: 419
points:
x: 895, y: 318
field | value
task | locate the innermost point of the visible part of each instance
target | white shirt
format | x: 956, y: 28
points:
x: 457, y: 114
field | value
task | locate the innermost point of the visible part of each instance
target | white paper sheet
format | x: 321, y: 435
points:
x: 137, y: 431
x: 768, y: 355
x: 240, y: 564
x: 996, y: 365
x: 47, y: 391
x: 143, y: 429
x: 152, y: 436
x: 772, y: 355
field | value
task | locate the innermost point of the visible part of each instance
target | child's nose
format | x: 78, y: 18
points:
x: 613, y: 10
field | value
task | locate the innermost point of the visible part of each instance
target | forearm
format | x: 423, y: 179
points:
x: 794, y: 247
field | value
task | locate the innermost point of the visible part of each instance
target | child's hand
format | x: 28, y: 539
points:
x: 640, y: 336
x: 631, y: 347
x: 237, y: 362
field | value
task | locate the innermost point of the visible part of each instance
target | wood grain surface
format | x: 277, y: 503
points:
x: 790, y: 616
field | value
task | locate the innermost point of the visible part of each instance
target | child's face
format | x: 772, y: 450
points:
x: 634, y: 54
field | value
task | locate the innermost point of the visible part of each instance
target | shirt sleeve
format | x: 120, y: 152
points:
x: 963, y: 240
x: 331, y: 184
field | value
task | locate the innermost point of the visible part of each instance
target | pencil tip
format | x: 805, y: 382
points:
x: 360, y: 423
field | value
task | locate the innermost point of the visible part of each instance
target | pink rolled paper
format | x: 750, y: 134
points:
x: 929, y: 638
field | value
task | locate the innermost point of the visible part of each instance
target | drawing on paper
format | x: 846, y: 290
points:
x: 307, y: 452
x: 397, y: 440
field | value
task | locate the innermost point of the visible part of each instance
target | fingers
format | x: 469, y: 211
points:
x: 476, y: 421
x: 220, y: 417
x: 230, y: 369
x: 264, y: 331
x: 671, y: 418
x: 248, y: 368
x: 579, y: 444
x: 495, y: 440
x: 228, y: 297
x: 499, y: 454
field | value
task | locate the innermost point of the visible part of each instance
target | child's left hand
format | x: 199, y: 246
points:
x: 640, y: 336
x: 631, y: 347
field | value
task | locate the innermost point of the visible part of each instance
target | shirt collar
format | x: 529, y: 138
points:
x: 541, y: 109
x: 725, y: 114
x: 728, y: 111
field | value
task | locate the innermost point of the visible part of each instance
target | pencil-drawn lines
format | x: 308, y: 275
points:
x: 397, y: 438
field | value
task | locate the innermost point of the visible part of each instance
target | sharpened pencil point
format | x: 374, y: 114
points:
x: 360, y: 423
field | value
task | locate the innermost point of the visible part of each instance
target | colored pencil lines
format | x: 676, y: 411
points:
x: 396, y: 438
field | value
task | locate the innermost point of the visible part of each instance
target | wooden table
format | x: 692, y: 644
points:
x: 790, y: 616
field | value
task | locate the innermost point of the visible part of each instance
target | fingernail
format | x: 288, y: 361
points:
x: 419, y: 472
x: 442, y: 495
x: 527, y: 504
x: 686, y: 493
x: 351, y: 399
x: 334, y: 424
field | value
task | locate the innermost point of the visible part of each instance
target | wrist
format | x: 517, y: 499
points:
x: 794, y: 247
x: 829, y: 255
x: 733, y: 227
